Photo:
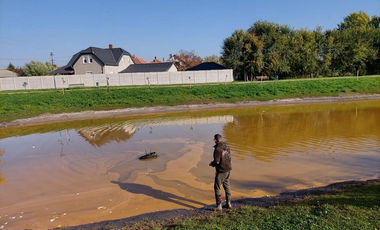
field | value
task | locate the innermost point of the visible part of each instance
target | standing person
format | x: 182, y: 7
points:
x: 222, y: 164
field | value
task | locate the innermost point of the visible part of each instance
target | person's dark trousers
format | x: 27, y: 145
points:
x: 222, y: 179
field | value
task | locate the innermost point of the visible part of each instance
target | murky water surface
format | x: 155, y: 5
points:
x: 87, y: 171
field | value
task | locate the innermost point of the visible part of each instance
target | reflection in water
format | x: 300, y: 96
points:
x: 274, y: 148
x: 122, y: 131
x: 100, y: 135
x: 266, y: 135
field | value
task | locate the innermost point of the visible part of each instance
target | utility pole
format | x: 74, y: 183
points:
x: 52, y: 59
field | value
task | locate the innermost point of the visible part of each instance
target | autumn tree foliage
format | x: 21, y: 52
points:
x: 271, y: 49
x: 189, y: 59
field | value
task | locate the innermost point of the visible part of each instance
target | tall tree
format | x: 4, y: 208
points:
x: 212, y: 58
x: 234, y: 53
x: 356, y: 33
x: 276, y: 52
x: 11, y: 67
x: 37, y: 68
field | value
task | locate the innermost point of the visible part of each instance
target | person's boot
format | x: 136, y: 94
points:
x: 228, y: 202
x: 218, y: 203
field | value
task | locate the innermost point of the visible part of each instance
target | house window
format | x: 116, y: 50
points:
x: 85, y: 60
x: 88, y: 72
x: 90, y: 58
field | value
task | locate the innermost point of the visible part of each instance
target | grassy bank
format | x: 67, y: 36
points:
x: 357, y: 208
x: 23, y: 105
x: 354, y: 207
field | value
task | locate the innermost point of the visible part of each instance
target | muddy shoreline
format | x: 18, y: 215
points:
x: 52, y: 118
x: 169, y: 217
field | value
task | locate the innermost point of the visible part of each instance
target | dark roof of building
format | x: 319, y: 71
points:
x: 64, y: 70
x: 207, y: 66
x: 149, y: 67
x: 109, y: 57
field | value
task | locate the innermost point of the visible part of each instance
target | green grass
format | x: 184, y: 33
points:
x: 15, y: 105
x: 357, y: 208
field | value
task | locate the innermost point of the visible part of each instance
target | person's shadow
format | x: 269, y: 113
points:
x: 158, y: 194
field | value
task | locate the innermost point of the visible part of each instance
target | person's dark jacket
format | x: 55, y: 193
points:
x: 222, y: 158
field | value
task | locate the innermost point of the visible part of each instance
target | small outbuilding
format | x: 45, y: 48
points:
x: 207, y: 66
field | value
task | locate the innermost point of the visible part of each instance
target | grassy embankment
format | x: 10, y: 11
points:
x: 355, y: 208
x: 23, y: 105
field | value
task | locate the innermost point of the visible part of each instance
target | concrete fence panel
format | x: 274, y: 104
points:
x: 7, y: 83
x: 175, y: 77
x: 199, y: 76
x: 91, y: 80
x: 213, y: 76
x: 47, y: 82
x: 139, y: 79
x: 113, y: 79
x: 34, y: 83
x: 126, y: 79
x: 21, y: 83
x: 88, y: 80
x: 72, y: 79
x: 151, y: 78
x: 100, y: 79
x: 163, y: 78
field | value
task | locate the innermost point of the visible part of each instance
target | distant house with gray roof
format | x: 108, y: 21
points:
x: 95, y: 60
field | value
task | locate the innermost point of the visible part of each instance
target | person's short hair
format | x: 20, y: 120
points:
x: 218, y: 137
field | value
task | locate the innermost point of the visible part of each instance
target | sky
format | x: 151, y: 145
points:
x: 32, y: 29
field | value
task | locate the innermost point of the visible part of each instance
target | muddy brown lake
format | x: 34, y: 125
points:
x: 78, y: 172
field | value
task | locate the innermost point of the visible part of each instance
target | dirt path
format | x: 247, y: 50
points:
x: 50, y: 118
x: 170, y: 216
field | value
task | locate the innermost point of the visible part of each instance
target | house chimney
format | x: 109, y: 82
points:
x: 163, y: 59
x: 110, y: 46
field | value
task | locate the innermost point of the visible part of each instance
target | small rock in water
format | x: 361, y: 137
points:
x: 110, y: 200
x: 64, y: 214
x: 52, y: 220
x: 77, y: 193
x: 101, y: 207
x: 20, y: 217
x: 2, y: 226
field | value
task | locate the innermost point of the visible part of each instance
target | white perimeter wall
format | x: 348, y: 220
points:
x: 118, y: 79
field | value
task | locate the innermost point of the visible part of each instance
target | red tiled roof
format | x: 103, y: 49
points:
x: 138, y: 60
x: 155, y: 60
x: 180, y: 58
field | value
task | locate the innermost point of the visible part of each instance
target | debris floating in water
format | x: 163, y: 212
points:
x: 148, y: 155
